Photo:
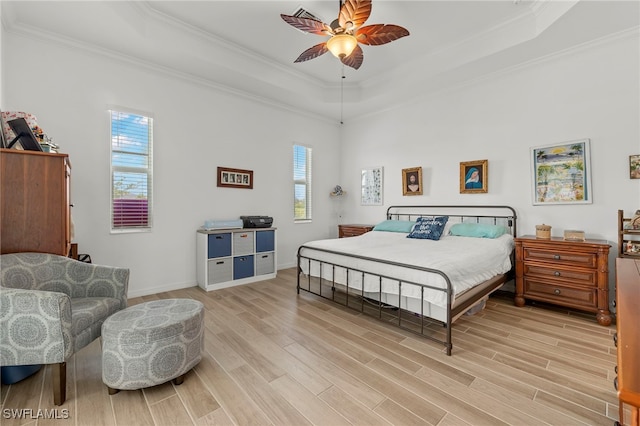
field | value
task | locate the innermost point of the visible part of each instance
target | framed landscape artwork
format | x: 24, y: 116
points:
x: 562, y: 173
x: 371, y: 191
x: 474, y: 176
x: 235, y: 178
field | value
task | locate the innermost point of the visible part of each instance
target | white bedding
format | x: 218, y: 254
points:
x: 466, y: 261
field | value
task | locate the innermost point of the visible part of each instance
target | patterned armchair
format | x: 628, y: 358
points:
x: 52, y: 306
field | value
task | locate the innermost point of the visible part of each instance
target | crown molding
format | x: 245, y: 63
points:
x: 226, y: 44
x: 632, y: 33
x: 501, y: 36
x: 549, y: 11
x: 74, y: 44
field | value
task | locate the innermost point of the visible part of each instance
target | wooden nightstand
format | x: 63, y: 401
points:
x: 567, y: 273
x: 353, y: 230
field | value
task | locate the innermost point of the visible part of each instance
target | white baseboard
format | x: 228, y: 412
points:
x: 178, y: 286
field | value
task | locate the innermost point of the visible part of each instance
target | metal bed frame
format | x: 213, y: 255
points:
x: 406, y: 319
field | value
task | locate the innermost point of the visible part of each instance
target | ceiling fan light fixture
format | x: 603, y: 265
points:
x: 346, y: 33
x: 341, y: 45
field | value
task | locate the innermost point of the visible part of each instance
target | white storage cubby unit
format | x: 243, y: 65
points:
x: 229, y: 257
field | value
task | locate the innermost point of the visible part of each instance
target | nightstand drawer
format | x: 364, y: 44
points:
x: 587, y: 277
x: 587, y: 260
x: 557, y: 293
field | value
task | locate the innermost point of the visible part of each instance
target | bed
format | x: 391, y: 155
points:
x: 421, y: 283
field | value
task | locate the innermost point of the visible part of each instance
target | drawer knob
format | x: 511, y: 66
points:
x: 615, y: 339
x: 556, y: 273
x: 615, y: 383
x: 556, y: 256
x: 556, y: 291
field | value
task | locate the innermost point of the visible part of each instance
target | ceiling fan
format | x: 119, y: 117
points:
x: 346, y: 32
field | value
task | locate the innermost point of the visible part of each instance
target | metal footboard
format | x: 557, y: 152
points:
x: 403, y: 323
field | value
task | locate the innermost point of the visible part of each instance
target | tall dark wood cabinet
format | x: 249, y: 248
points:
x: 627, y: 339
x: 34, y: 202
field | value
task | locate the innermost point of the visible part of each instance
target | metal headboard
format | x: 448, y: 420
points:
x: 496, y: 215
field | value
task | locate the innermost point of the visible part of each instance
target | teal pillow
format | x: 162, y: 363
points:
x: 395, y: 226
x: 429, y: 228
x: 478, y: 230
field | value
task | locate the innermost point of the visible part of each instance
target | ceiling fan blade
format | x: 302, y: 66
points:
x: 313, y: 52
x: 377, y: 34
x: 355, y: 59
x: 307, y: 25
x: 354, y: 11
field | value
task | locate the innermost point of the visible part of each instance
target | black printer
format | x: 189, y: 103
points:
x: 257, y: 221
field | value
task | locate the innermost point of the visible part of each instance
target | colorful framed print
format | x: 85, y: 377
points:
x: 412, y: 181
x: 474, y: 177
x: 235, y: 178
x: 371, y: 190
x: 562, y: 173
x: 634, y: 166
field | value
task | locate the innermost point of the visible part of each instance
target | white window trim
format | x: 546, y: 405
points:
x: 112, y: 169
x: 308, y: 184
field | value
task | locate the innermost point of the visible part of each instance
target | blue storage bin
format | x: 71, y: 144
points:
x: 265, y: 240
x: 242, y: 267
x: 219, y: 245
x: 14, y: 373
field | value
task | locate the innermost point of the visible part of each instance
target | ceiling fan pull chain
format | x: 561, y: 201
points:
x: 342, y: 96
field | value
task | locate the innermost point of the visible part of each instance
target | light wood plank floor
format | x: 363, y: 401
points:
x: 275, y: 358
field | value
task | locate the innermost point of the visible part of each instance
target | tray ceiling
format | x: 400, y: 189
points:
x: 246, y: 48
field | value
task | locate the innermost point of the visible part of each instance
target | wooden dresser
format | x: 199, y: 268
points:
x: 567, y: 273
x: 627, y: 338
x: 353, y: 230
x: 34, y: 202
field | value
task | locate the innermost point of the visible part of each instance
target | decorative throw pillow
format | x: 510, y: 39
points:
x: 395, y: 226
x: 478, y: 230
x: 429, y: 228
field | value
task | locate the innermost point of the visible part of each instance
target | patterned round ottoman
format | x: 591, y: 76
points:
x: 151, y: 343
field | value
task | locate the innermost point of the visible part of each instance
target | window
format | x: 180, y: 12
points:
x: 131, y: 171
x: 301, y: 183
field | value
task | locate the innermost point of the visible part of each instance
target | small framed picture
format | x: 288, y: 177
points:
x: 235, y: 178
x: 371, y: 190
x: 632, y: 248
x: 634, y: 166
x: 412, y: 181
x: 474, y: 176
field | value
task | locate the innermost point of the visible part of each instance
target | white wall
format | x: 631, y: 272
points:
x: 590, y: 93
x: 196, y: 129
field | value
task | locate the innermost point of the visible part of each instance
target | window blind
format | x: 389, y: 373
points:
x: 301, y: 183
x: 131, y: 171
